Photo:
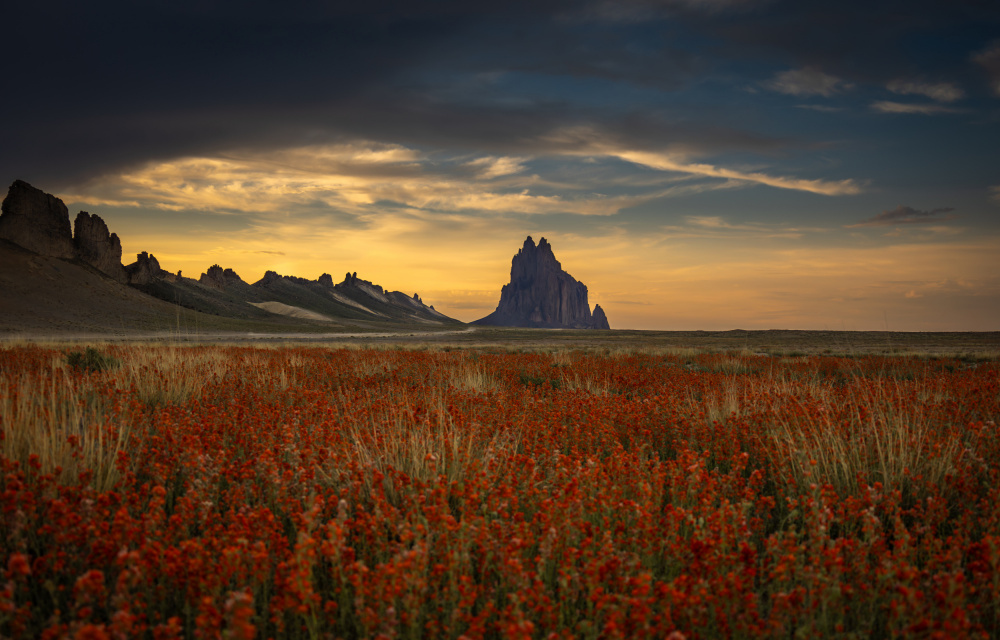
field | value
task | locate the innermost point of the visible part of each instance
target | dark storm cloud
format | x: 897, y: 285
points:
x: 907, y: 215
x: 96, y: 87
x: 109, y: 84
x: 638, y: 10
x: 863, y: 41
x: 114, y: 84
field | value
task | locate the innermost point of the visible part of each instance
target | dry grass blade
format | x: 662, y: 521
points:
x: 64, y: 424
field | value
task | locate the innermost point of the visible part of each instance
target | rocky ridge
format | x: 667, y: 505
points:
x: 37, y: 221
x: 97, y: 246
x: 218, y: 277
x: 145, y: 270
x: 541, y: 294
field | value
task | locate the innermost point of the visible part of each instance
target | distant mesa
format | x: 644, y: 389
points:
x: 540, y: 294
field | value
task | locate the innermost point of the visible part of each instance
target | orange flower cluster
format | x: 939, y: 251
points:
x: 310, y: 492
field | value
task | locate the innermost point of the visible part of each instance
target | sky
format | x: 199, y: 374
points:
x: 698, y: 164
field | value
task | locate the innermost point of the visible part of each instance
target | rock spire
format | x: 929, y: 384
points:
x: 541, y: 294
x: 98, y: 247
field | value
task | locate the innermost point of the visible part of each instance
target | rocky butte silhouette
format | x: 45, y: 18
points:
x: 54, y: 275
x: 541, y: 294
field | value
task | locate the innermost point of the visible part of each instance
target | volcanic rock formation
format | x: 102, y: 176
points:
x: 352, y: 280
x: 37, y: 221
x: 541, y: 294
x: 144, y: 270
x: 37, y: 224
x: 270, y: 277
x: 599, y: 320
x: 96, y: 246
x: 219, y: 278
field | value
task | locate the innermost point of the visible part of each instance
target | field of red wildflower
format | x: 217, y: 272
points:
x: 243, y: 492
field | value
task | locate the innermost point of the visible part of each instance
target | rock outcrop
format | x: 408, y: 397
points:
x: 96, y: 246
x: 144, y: 270
x: 541, y: 294
x: 37, y: 224
x: 218, y: 277
x: 270, y: 277
x: 352, y: 280
x: 599, y: 320
x: 37, y: 221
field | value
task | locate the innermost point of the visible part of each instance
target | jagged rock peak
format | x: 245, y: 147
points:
x: 36, y: 221
x: 529, y: 246
x: 219, y: 278
x: 352, y: 280
x: 213, y: 277
x: 144, y: 270
x: 599, y: 320
x: 541, y: 294
x: 96, y: 246
x: 326, y: 280
x: 269, y: 278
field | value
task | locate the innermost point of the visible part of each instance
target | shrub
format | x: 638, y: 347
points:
x: 91, y: 360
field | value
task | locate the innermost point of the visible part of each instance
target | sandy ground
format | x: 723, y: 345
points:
x: 294, y: 312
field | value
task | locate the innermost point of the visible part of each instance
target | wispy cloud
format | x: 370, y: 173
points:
x: 665, y: 162
x: 719, y: 227
x: 995, y: 193
x: 907, y: 215
x: 942, y: 91
x: 491, y: 166
x: 887, y: 106
x: 360, y: 179
x: 807, y: 82
x: 819, y: 107
x: 989, y: 58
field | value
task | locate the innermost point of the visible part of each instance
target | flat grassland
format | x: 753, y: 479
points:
x: 547, y: 485
x: 979, y: 345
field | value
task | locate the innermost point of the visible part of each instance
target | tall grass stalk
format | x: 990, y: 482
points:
x: 428, y: 448
x: 64, y: 424
x: 882, y: 440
